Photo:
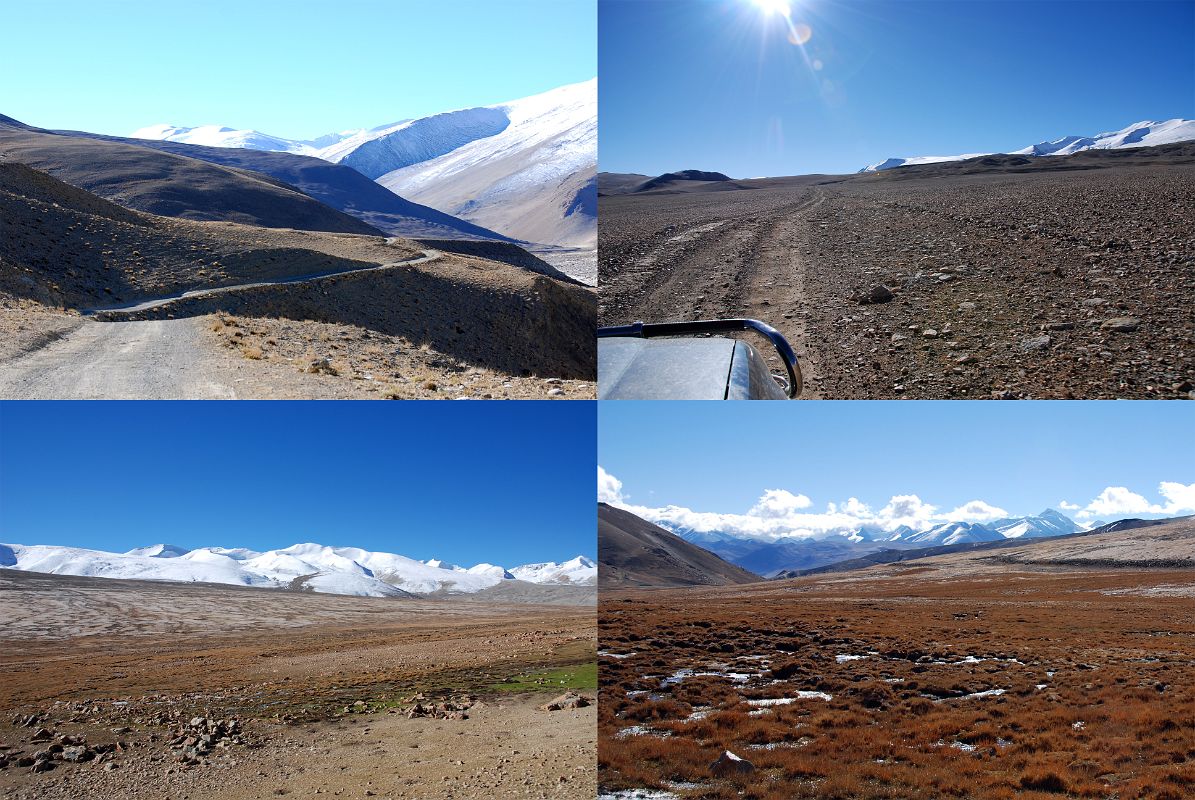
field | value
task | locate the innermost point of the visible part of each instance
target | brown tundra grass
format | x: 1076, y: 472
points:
x: 1098, y: 695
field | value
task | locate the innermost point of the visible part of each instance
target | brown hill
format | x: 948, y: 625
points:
x: 633, y: 552
x: 172, y: 185
x: 63, y: 246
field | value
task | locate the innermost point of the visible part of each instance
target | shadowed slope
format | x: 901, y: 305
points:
x: 634, y: 552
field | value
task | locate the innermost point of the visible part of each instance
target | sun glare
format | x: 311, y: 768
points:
x: 780, y: 7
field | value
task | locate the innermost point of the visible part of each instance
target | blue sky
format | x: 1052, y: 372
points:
x: 287, y: 67
x: 464, y: 482
x: 715, y: 85
x: 1017, y: 457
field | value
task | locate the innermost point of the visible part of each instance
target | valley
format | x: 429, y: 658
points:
x: 1058, y: 667
x: 248, y: 303
x: 122, y: 688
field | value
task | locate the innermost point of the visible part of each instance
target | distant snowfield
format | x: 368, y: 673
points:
x: 314, y: 567
x: 1139, y: 134
x: 524, y: 168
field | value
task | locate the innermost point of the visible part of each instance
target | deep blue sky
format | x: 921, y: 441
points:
x: 292, y: 68
x: 1021, y: 457
x: 503, y: 482
x: 715, y: 85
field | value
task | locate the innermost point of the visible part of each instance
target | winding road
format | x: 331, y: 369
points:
x: 145, y: 359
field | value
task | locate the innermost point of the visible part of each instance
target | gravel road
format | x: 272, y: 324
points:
x: 138, y: 360
x: 156, y: 360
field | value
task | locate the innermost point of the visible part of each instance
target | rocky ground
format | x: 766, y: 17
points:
x: 327, y: 360
x: 142, y: 690
x: 1042, y: 284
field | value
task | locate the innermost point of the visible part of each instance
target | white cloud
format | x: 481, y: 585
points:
x: 779, y: 503
x: 976, y: 511
x: 781, y: 514
x: 907, y: 509
x: 609, y: 488
x: 1180, y: 498
x: 1120, y: 500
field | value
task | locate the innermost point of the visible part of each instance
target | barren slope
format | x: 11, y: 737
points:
x: 634, y: 552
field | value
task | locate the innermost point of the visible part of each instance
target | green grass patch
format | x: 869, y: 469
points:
x: 577, y: 676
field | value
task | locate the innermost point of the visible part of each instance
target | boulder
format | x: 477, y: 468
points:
x: 876, y: 294
x: 730, y: 765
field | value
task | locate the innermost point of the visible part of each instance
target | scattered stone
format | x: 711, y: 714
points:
x: 930, y: 333
x: 1059, y: 326
x: 77, y: 754
x: 1121, y: 324
x: 1036, y: 343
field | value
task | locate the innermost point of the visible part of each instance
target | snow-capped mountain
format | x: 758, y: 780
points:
x: 219, y: 136
x: 579, y: 570
x: 525, y: 168
x: 952, y: 533
x: 1047, y: 523
x: 333, y: 570
x: 768, y: 556
x: 1139, y: 134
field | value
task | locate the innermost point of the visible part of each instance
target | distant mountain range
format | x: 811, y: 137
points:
x: 310, y: 567
x: 1139, y: 134
x: 633, y: 552
x: 770, y: 556
x: 524, y: 168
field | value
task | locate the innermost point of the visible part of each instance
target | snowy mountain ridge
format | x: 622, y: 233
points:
x: 320, y: 568
x: 525, y: 168
x: 1140, y: 134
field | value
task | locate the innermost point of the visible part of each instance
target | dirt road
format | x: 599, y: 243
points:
x: 1046, y: 284
x: 144, y: 359
x: 114, y: 312
x: 155, y: 360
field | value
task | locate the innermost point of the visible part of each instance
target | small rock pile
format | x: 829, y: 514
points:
x: 195, y: 740
x: 58, y: 748
x: 453, y: 708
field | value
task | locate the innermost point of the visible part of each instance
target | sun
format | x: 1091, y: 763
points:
x: 780, y: 7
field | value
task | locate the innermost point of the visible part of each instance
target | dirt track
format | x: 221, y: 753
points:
x: 1047, y: 284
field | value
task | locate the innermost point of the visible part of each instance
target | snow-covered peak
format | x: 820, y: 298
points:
x: 220, y: 136
x: 579, y: 570
x: 159, y: 551
x: 1146, y: 133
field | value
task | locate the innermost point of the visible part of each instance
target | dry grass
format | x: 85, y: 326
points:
x: 1098, y: 691
x: 372, y: 364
